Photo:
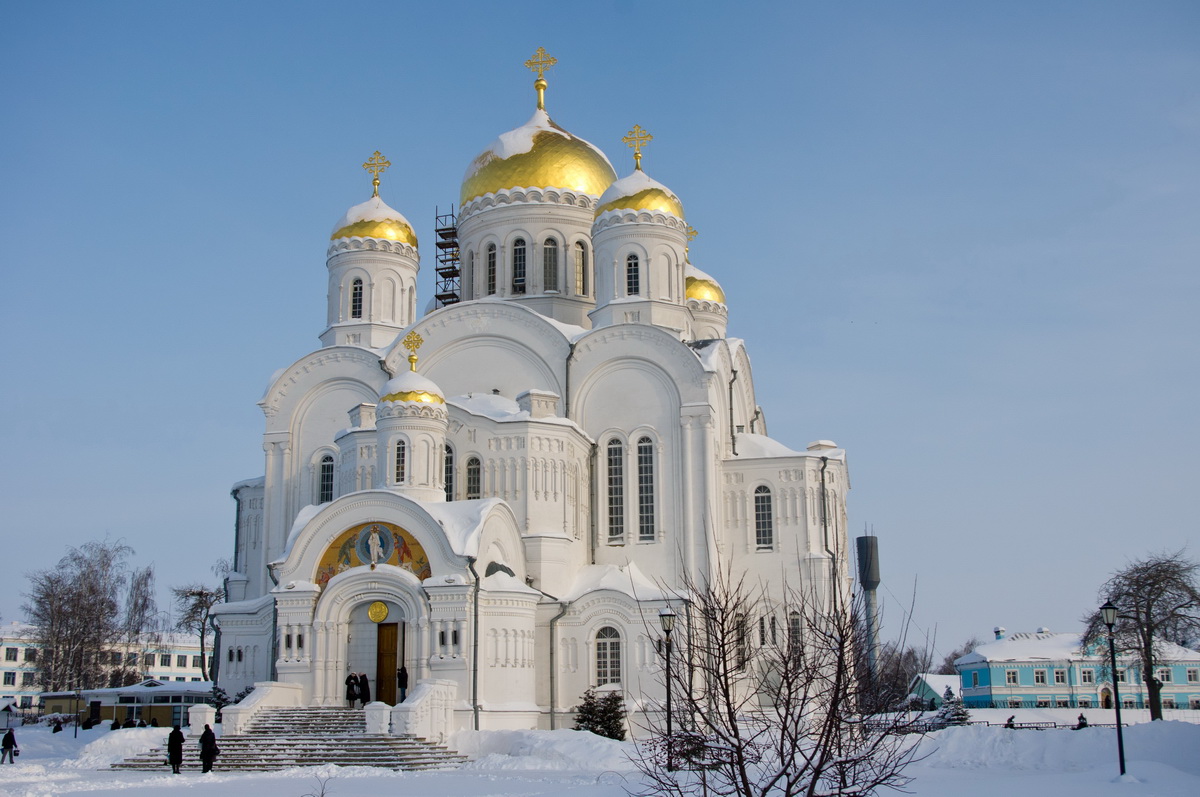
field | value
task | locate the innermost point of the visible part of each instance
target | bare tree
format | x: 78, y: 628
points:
x: 947, y: 666
x: 779, y: 718
x: 1158, y: 603
x: 194, y: 603
x: 76, y: 608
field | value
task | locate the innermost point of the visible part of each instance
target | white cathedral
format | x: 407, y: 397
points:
x: 501, y: 494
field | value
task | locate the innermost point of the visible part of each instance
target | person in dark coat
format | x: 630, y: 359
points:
x: 57, y: 726
x: 402, y: 682
x: 364, y: 688
x: 116, y: 725
x: 351, y: 689
x: 129, y: 723
x: 154, y: 722
x: 208, y: 749
x: 8, y: 748
x: 175, y: 750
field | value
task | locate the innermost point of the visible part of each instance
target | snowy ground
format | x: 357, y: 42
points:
x: 1163, y: 761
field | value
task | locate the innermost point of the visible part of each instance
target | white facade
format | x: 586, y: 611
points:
x: 577, y: 439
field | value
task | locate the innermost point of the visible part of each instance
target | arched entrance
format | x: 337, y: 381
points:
x: 1106, y: 698
x: 377, y: 643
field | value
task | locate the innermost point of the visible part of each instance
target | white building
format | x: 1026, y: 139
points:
x: 502, y: 493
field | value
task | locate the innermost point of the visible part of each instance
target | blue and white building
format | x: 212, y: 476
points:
x: 1049, y: 670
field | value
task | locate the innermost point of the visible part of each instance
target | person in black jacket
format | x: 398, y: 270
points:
x: 8, y: 748
x: 351, y: 689
x: 175, y: 750
x: 364, y: 688
x: 208, y: 749
x: 402, y: 682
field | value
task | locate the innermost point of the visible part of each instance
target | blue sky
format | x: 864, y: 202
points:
x: 960, y: 240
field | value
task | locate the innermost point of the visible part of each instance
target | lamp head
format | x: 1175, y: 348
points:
x: 666, y: 617
x: 1109, y: 613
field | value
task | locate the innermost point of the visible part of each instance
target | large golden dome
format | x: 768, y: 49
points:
x: 539, y: 154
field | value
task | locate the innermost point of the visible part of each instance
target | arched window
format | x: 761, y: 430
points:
x: 616, y: 491
x: 550, y: 264
x: 473, y: 469
x: 449, y: 479
x: 518, y: 266
x: 401, y: 457
x: 633, y: 281
x: 794, y: 631
x: 608, y: 656
x: 468, y: 284
x: 581, y: 281
x: 356, y: 298
x: 764, y: 521
x: 325, y: 481
x: 491, y: 270
x: 645, y: 476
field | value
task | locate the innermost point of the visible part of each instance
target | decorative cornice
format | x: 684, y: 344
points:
x: 514, y: 196
x: 356, y: 244
x: 612, y: 218
x: 396, y: 409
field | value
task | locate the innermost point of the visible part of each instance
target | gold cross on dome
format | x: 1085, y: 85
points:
x: 412, y: 341
x: 540, y: 62
x: 692, y: 232
x: 637, y: 138
x: 376, y: 165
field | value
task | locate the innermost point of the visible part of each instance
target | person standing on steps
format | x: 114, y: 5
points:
x: 175, y: 750
x: 208, y: 749
x: 8, y: 748
x: 364, y: 689
x: 351, y: 689
x: 402, y: 682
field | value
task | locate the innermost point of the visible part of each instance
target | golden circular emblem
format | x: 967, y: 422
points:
x: 377, y: 611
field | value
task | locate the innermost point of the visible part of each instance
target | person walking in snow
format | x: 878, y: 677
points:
x: 402, y: 682
x: 364, y: 689
x: 8, y: 748
x: 208, y: 749
x: 351, y: 689
x: 175, y: 750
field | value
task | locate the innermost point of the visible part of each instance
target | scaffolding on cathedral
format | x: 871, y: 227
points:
x: 448, y: 273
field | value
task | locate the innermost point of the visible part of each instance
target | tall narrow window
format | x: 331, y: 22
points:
x: 449, y: 474
x: 608, y: 656
x: 550, y: 264
x: 581, y: 281
x: 473, y: 477
x: 468, y: 284
x: 616, y: 491
x: 325, y: 486
x: 401, y: 457
x: 645, y: 466
x: 633, y: 281
x: 518, y: 266
x: 356, y: 298
x: 491, y: 270
x: 794, y: 631
x: 742, y: 640
x: 764, y: 521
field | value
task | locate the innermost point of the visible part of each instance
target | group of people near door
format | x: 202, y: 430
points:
x: 358, y: 687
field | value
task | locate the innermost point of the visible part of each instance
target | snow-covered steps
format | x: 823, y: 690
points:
x: 298, y: 737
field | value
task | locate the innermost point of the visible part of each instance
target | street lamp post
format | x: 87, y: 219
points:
x: 1109, y: 613
x: 76, y: 713
x: 666, y: 617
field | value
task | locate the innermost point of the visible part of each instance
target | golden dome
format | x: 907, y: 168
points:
x: 539, y: 154
x: 701, y: 286
x: 411, y: 386
x: 374, y: 219
x: 639, y: 191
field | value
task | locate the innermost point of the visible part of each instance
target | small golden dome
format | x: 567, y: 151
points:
x: 374, y: 219
x: 702, y: 287
x: 539, y: 154
x: 639, y: 191
x: 411, y: 386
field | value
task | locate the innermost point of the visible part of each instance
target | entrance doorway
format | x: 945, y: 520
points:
x: 389, y: 651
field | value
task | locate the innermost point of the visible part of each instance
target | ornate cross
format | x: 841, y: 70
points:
x: 637, y: 138
x: 376, y: 165
x: 540, y: 63
x: 412, y: 341
x: 692, y: 232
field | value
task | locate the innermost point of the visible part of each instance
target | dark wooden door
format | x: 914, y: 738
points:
x: 387, y: 640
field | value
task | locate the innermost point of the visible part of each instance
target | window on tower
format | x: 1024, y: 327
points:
x: 468, y: 286
x: 645, y: 465
x: 401, y: 461
x: 550, y: 264
x: 356, y: 298
x: 616, y: 491
x: 325, y: 486
x: 473, y: 478
x: 633, y: 280
x: 764, y: 520
x: 449, y: 473
x: 518, y: 266
x: 491, y: 270
x: 581, y: 282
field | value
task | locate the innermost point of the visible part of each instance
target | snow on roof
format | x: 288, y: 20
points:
x: 627, y: 579
x: 257, y: 481
x: 374, y: 209
x: 758, y: 446
x: 1025, y: 647
x: 937, y: 683
x: 520, y: 141
x: 409, y: 382
x: 16, y: 628
x: 691, y: 271
x: 152, y: 686
x: 501, y: 581
x: 501, y: 409
x: 462, y: 521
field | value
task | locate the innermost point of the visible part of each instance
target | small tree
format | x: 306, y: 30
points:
x: 952, y: 711
x: 195, y: 603
x: 1158, y: 599
x: 603, y: 715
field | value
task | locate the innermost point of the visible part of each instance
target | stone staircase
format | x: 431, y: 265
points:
x: 278, y: 738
